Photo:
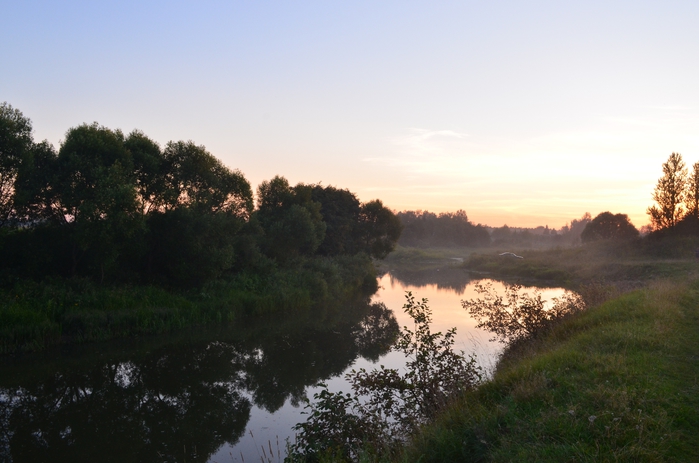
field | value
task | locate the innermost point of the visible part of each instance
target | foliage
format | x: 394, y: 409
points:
x: 608, y: 226
x: 516, y: 317
x: 15, y: 142
x: 692, y: 196
x: 669, y: 194
x: 424, y: 228
x: 379, y: 229
x: 386, y: 407
x: 119, y: 209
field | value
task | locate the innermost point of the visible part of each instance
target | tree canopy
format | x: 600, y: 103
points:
x: 111, y: 206
x: 608, y: 226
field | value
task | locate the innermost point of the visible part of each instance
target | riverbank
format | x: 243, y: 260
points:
x: 619, y: 382
x: 36, y: 315
x: 619, y: 262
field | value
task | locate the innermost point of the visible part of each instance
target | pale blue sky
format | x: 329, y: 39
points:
x: 518, y: 112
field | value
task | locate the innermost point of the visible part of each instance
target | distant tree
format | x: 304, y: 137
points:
x: 424, y: 228
x: 15, y: 142
x: 608, y: 226
x: 692, y: 195
x: 669, y: 194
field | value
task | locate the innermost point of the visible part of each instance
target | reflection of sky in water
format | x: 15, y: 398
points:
x: 444, y: 289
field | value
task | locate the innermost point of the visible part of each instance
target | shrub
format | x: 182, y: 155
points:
x: 385, y: 407
x: 518, y: 316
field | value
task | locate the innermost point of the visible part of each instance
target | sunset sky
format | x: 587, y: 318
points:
x: 524, y: 113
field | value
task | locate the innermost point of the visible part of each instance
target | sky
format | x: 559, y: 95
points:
x: 520, y: 113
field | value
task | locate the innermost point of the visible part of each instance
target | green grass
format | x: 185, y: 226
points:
x: 619, y: 382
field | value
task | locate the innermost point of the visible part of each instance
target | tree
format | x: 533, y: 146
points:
x: 340, y: 210
x: 96, y: 193
x: 379, y: 229
x: 669, y: 194
x: 291, y: 220
x: 692, y: 195
x: 15, y: 141
x: 608, y: 226
x: 196, y: 178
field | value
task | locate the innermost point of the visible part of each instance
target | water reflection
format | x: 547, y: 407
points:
x: 447, y: 278
x: 196, y: 396
x: 179, y: 399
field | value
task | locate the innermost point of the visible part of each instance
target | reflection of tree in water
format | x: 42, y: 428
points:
x: 446, y: 278
x: 179, y: 402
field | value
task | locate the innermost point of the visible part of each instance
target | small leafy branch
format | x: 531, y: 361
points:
x: 385, y: 406
x: 516, y: 316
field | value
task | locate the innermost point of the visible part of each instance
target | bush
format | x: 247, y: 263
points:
x: 385, y: 407
x: 517, y: 317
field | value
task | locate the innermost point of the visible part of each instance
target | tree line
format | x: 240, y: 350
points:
x: 119, y: 207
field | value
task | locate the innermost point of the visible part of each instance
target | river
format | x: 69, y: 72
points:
x: 218, y: 394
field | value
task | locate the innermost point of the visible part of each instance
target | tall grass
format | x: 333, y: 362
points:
x: 34, y: 315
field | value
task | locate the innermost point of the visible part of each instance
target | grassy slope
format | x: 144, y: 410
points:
x: 620, y: 382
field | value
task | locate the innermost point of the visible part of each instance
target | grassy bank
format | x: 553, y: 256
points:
x: 611, y: 261
x: 34, y: 315
x: 619, y: 382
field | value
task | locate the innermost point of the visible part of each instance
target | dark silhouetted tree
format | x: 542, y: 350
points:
x: 15, y: 142
x: 608, y: 226
x: 692, y: 194
x: 196, y: 178
x: 96, y: 192
x: 669, y: 194
x: 291, y: 220
x: 340, y: 210
x: 379, y: 229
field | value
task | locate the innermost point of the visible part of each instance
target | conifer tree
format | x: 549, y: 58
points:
x: 669, y: 194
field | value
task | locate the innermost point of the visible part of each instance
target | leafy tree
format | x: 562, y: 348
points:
x: 15, y: 141
x: 96, y: 193
x: 607, y: 226
x: 669, y: 194
x: 35, y: 198
x: 196, y: 178
x: 340, y: 210
x: 379, y: 229
x: 149, y: 169
x: 291, y: 220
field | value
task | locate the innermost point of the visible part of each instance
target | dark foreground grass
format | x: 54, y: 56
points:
x: 35, y: 315
x: 619, y: 382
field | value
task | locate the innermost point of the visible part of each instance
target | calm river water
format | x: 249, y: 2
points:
x: 218, y: 395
